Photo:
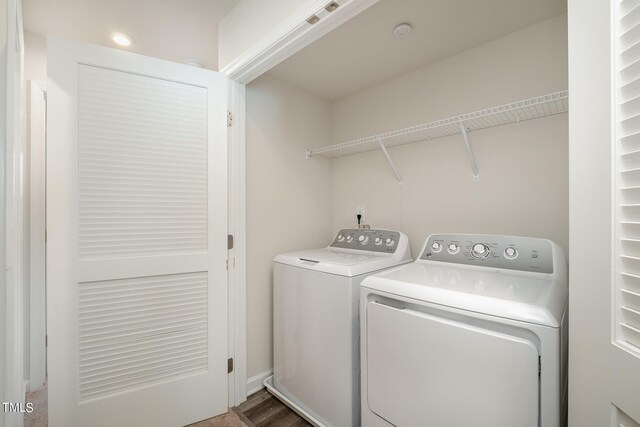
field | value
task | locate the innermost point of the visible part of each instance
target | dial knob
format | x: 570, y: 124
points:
x: 363, y: 239
x: 510, y: 253
x: 378, y: 241
x: 340, y: 238
x: 389, y: 241
x: 349, y: 239
x: 436, y: 247
x: 480, y: 250
x: 453, y: 248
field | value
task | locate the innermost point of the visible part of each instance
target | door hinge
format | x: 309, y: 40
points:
x: 229, y: 119
x: 229, y: 241
x: 229, y: 365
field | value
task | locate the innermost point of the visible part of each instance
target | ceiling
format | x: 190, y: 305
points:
x: 364, y: 52
x: 175, y: 30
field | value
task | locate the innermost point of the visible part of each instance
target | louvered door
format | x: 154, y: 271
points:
x: 625, y: 346
x: 137, y: 224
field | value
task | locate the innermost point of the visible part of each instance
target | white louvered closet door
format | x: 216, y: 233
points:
x: 137, y: 225
x: 625, y: 348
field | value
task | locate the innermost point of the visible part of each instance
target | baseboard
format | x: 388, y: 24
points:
x: 255, y: 383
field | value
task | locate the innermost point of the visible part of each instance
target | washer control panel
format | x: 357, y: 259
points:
x: 368, y: 240
x: 513, y: 253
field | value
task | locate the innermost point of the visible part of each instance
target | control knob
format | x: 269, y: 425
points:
x: 390, y: 241
x: 363, y: 239
x: 453, y: 248
x: 349, y: 239
x: 340, y: 238
x: 480, y: 250
x: 511, y: 253
x: 378, y: 241
x: 436, y: 247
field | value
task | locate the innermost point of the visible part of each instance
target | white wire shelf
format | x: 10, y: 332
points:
x: 528, y: 109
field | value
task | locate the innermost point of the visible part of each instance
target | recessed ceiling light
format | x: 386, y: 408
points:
x: 121, y: 39
x: 402, y: 30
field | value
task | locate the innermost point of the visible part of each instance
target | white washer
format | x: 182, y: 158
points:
x: 473, y: 333
x: 316, y: 322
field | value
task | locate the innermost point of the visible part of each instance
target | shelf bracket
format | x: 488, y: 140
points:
x: 393, y: 166
x: 472, y: 158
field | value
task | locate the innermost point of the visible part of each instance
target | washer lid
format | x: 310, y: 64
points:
x: 494, y: 292
x: 343, y: 262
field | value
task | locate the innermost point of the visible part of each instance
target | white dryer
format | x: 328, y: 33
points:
x: 316, y: 322
x: 473, y: 333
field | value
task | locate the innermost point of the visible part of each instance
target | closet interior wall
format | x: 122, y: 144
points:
x: 294, y: 203
x: 523, y: 185
x: 288, y: 198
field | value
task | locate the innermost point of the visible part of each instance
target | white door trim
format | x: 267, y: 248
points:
x: 13, y: 375
x: 292, y: 35
x: 36, y: 130
x: 237, y: 255
x: 286, y: 39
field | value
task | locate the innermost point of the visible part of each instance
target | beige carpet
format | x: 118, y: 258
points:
x: 39, y: 418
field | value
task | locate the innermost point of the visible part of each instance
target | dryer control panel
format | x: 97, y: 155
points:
x: 508, y: 252
x: 367, y: 240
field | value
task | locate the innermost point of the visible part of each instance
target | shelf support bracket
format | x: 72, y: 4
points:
x: 472, y: 158
x: 393, y: 166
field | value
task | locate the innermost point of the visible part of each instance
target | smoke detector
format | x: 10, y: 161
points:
x: 402, y: 30
x: 194, y: 63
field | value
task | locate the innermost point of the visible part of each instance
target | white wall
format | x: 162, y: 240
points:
x: 35, y: 68
x: 288, y: 197
x: 523, y: 187
x: 171, y: 30
x: 248, y: 22
x: 35, y: 59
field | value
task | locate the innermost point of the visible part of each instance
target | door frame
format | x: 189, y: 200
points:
x: 286, y: 39
x: 598, y: 368
x: 237, y: 336
x: 291, y: 36
x: 12, y: 376
x: 36, y: 136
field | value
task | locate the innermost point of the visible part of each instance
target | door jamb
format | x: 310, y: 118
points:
x: 291, y: 36
x: 237, y: 336
x: 36, y: 135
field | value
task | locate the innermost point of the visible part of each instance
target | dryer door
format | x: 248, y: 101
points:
x: 431, y: 371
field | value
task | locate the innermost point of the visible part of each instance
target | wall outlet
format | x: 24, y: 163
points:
x: 360, y: 210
